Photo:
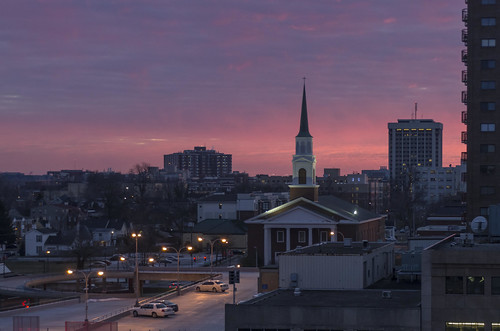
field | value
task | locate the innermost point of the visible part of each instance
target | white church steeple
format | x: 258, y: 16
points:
x: 304, y: 162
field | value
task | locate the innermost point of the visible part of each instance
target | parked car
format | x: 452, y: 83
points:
x: 154, y: 309
x: 212, y: 286
x: 169, y: 304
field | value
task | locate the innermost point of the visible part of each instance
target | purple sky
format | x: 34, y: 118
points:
x: 101, y: 84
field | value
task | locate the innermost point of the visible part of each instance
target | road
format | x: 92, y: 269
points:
x: 197, y: 311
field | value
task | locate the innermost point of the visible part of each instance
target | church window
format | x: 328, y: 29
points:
x: 302, y: 176
x: 280, y: 236
x: 302, y: 236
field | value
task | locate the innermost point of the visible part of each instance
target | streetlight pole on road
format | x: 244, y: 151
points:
x: 212, y: 243
x: 178, y: 262
x: 86, y: 276
x: 136, y: 236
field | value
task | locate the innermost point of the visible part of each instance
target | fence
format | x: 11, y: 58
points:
x: 87, y: 326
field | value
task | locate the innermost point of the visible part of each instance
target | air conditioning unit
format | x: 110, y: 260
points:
x: 386, y: 294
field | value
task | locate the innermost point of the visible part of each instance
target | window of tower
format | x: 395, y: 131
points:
x: 487, y: 127
x: 491, y: 42
x: 487, y: 106
x: 488, y: 85
x: 488, y: 64
x: 488, y: 21
x: 302, y: 176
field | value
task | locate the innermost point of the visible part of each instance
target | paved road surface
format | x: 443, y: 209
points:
x: 197, y: 311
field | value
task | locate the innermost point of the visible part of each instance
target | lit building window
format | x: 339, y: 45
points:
x: 464, y: 326
x: 475, y: 285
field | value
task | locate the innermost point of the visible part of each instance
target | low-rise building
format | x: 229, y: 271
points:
x: 336, y: 265
x: 327, y: 310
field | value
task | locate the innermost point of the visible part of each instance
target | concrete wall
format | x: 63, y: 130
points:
x: 476, y: 261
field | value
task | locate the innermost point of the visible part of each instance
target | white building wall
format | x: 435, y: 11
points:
x: 216, y: 210
x: 34, y: 247
x: 321, y: 272
x: 336, y: 271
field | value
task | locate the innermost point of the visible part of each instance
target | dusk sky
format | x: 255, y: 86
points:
x: 101, y: 84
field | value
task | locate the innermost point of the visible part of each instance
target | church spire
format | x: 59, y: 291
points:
x: 304, y: 125
x: 304, y: 161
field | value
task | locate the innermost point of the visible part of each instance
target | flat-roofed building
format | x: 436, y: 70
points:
x: 461, y: 285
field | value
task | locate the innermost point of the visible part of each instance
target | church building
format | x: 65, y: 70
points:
x: 308, y: 218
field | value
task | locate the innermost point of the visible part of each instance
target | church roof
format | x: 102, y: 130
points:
x: 304, y: 125
x: 328, y: 207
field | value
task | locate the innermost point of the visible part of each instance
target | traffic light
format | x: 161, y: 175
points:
x: 231, y: 276
x: 236, y: 276
x: 194, y: 258
x: 204, y: 258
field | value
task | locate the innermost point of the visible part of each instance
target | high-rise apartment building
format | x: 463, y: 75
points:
x: 199, y: 162
x: 414, y: 143
x: 481, y: 36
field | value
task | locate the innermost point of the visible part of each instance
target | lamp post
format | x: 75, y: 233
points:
x: 178, y: 262
x: 212, y: 242
x: 256, y: 257
x: 86, y: 275
x: 136, y: 236
x: 47, y: 253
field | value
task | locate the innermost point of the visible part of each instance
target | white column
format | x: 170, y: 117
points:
x: 287, y: 238
x: 310, y: 239
x: 267, y: 245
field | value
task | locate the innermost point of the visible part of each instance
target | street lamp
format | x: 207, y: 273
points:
x: 47, y: 253
x: 136, y: 236
x: 86, y: 275
x: 212, y: 242
x: 178, y: 262
x: 121, y: 259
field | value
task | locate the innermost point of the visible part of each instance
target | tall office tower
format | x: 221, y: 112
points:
x: 413, y: 143
x: 199, y: 162
x: 481, y: 36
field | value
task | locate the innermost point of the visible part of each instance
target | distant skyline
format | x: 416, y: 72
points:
x: 101, y: 84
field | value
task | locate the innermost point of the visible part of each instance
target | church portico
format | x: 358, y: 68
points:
x: 284, y: 237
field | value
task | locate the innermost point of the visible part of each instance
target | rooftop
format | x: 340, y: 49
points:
x: 339, y: 298
x: 338, y: 248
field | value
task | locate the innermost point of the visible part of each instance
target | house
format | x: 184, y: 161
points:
x: 35, y: 241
